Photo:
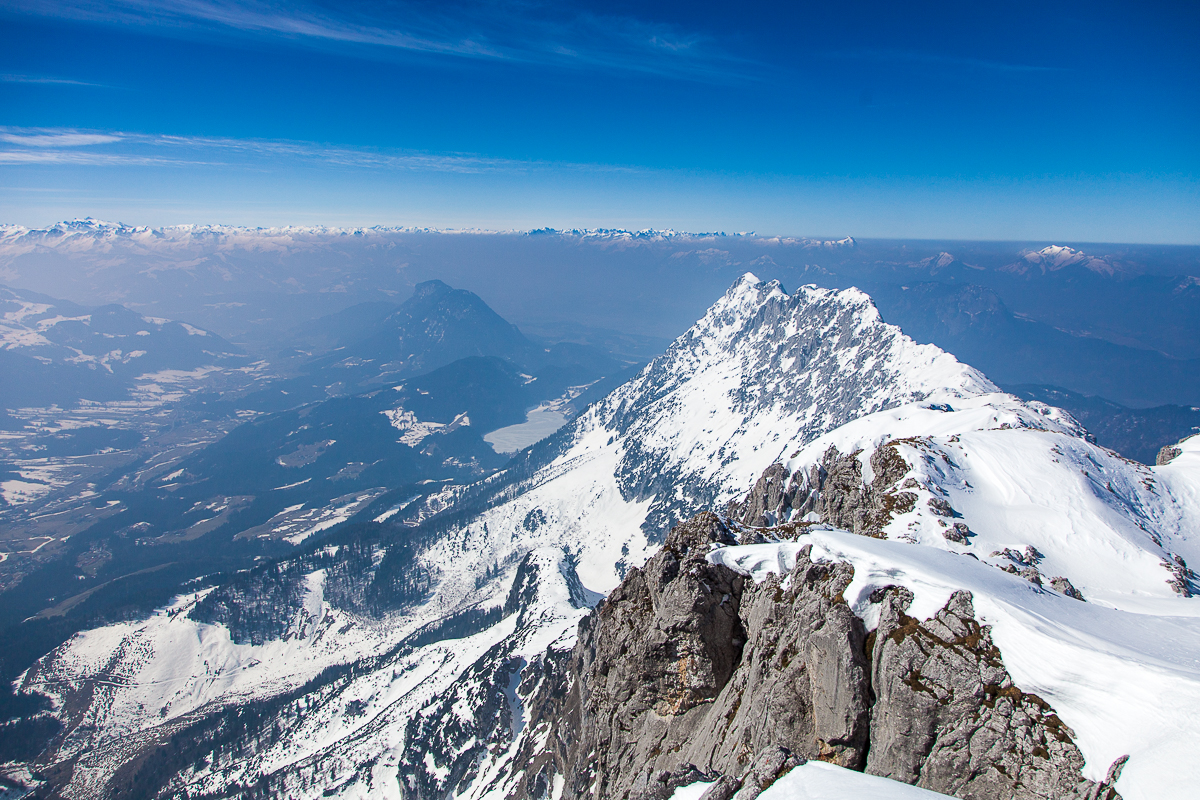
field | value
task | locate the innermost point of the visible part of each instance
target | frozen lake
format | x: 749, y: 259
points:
x: 538, y: 425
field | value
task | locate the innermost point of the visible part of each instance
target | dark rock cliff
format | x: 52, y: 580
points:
x: 691, y: 671
x: 948, y: 717
x: 833, y: 490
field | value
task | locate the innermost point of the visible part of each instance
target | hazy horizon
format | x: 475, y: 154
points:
x: 535, y: 229
x: 1038, y: 122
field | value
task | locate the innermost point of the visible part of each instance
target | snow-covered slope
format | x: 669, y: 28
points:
x: 1034, y: 494
x: 125, y: 688
x: 142, y: 673
x: 1126, y: 683
x: 764, y: 377
x: 817, y: 780
x: 762, y: 373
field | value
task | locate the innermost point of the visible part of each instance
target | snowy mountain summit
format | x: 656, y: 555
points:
x: 1053, y: 258
x: 812, y: 533
x: 762, y: 373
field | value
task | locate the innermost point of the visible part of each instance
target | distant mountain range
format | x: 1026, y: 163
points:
x: 265, y: 288
x: 390, y: 406
x: 974, y: 323
x: 817, y: 540
x: 56, y: 352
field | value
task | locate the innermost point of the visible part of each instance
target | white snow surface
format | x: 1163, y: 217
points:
x: 817, y: 780
x: 764, y: 376
x: 1127, y: 683
x: 761, y: 371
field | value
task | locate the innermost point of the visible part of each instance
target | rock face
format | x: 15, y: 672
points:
x: 1166, y: 454
x: 691, y: 671
x: 687, y: 664
x: 833, y: 490
x: 947, y: 716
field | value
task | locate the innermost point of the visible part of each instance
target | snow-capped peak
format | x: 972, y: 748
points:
x: 764, y: 377
x: 1055, y: 257
x: 17, y: 239
x: 761, y: 371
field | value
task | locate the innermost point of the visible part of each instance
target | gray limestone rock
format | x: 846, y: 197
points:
x: 1183, y: 579
x: 834, y: 490
x: 940, y: 507
x: 690, y: 669
x: 948, y: 718
x: 688, y: 663
x: 958, y: 533
x: 1166, y: 455
x: 770, y: 765
x: 724, y: 788
x: 1024, y: 565
x: 769, y: 497
x: 662, y: 785
x: 1064, y: 586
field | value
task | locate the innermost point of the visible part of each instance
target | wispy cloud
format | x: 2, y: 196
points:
x: 63, y: 139
x: 519, y: 32
x: 17, y: 157
x: 114, y: 149
x: 14, y: 78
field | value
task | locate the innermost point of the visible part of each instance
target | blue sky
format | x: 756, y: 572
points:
x: 1074, y: 122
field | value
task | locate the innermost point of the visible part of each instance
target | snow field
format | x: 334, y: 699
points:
x: 728, y: 399
x: 817, y: 780
x: 1127, y: 683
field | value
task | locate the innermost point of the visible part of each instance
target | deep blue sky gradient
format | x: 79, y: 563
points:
x: 1075, y: 121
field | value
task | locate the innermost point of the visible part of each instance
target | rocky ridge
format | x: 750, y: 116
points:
x: 760, y: 374
x: 691, y: 671
x: 446, y: 709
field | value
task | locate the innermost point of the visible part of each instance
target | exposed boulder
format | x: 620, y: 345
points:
x: 687, y: 664
x: 833, y: 490
x: 690, y: 669
x: 1183, y: 579
x: 770, y: 765
x: 948, y: 717
x: 1064, y: 586
x: 1166, y: 454
x: 958, y: 533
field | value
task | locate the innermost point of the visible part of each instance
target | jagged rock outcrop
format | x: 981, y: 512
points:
x: 1183, y: 578
x: 690, y: 669
x: 1166, y: 454
x: 1064, y: 586
x: 833, y: 490
x: 948, y: 717
x: 688, y: 664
